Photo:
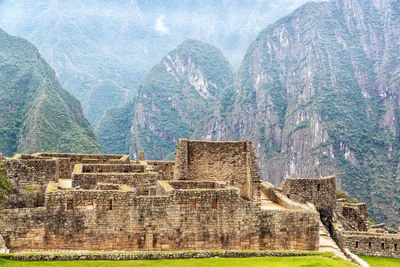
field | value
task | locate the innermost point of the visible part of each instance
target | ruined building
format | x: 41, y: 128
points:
x: 210, y: 197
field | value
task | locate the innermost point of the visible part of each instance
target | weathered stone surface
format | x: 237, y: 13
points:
x: 118, y: 204
x: 319, y: 191
x: 3, y: 248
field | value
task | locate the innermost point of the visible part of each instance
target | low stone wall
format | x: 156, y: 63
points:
x: 164, y: 168
x: 67, y: 161
x: 23, y: 228
x: 31, y: 173
x: 161, y: 255
x: 277, y: 197
x: 196, y: 184
x: 376, y: 245
x: 356, y: 214
x: 112, y: 168
x: 141, y: 181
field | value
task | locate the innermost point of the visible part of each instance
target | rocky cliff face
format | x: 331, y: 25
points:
x: 318, y: 93
x: 36, y: 113
x: 188, y: 89
x: 101, y: 50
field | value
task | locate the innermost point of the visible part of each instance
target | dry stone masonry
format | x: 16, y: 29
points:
x: 211, y: 197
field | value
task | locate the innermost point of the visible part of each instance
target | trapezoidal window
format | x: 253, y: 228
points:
x: 383, y: 245
x: 214, y: 204
x: 369, y: 245
x: 70, y: 204
x: 318, y: 187
x: 356, y: 244
x: 193, y: 204
x: 395, y: 247
x: 109, y: 205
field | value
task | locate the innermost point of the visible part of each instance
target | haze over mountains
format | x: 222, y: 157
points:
x: 101, y: 50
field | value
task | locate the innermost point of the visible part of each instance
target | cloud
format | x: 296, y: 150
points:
x: 160, y: 25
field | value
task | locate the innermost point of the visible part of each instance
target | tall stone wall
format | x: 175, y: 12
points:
x: 178, y: 220
x: 319, y: 191
x: 231, y: 162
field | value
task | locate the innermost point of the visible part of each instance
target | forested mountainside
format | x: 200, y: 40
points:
x: 36, y: 113
x: 190, y: 88
x: 317, y: 91
x: 101, y: 50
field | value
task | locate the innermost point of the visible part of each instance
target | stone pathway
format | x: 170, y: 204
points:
x: 267, y: 204
x: 326, y: 243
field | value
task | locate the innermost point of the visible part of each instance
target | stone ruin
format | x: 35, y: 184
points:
x: 348, y: 223
x: 210, y: 197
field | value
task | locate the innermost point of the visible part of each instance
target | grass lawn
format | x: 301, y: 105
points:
x: 306, y: 261
x: 381, y: 262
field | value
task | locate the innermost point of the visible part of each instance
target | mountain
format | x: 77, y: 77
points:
x: 101, y: 50
x: 318, y: 92
x: 36, y: 113
x: 189, y: 89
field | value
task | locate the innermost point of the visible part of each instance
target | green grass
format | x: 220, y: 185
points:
x: 381, y: 262
x: 308, y: 261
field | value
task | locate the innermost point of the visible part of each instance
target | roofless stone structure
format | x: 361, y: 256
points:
x: 210, y: 197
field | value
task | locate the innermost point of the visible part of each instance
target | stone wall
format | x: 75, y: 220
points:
x: 179, y: 220
x: 376, y: 245
x: 319, y: 191
x: 32, y: 172
x: 356, y: 214
x: 141, y: 181
x: 23, y: 228
x: 289, y: 229
x: 67, y: 161
x: 164, y: 168
x: 231, y: 162
x: 112, y: 168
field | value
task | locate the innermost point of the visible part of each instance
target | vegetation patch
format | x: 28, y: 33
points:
x: 381, y: 262
x: 257, y: 261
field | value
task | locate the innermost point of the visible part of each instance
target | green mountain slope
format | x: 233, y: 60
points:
x: 36, y: 114
x: 187, y: 90
x: 318, y: 93
x: 101, y: 50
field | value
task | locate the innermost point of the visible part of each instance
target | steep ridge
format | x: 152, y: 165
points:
x: 36, y: 113
x: 318, y: 93
x: 189, y: 89
x: 101, y: 50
